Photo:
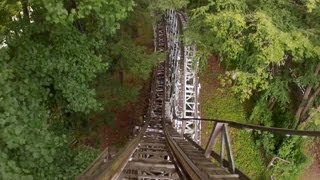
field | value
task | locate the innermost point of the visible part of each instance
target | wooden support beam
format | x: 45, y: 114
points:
x: 214, y: 134
x: 222, y: 149
x: 221, y: 128
x: 229, y: 148
x: 235, y: 176
x: 183, y: 128
x: 145, y: 163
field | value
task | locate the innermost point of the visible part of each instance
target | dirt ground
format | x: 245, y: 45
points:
x: 313, y: 172
x: 209, y: 83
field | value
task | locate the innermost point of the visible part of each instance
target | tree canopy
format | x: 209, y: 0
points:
x: 271, y: 53
x: 268, y: 47
x: 51, y: 53
x: 59, y: 57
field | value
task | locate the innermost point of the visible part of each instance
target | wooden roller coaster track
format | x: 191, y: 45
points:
x: 162, y: 151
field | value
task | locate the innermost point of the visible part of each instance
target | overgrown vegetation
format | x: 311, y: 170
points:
x: 270, y: 51
x: 54, y: 55
x: 223, y: 105
x: 65, y: 64
x: 219, y: 103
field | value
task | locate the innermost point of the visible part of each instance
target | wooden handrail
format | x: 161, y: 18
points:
x: 275, y: 130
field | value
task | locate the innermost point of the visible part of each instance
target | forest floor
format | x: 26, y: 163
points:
x: 126, y: 118
x: 313, y: 172
x: 217, y: 102
x: 209, y: 83
x: 117, y: 133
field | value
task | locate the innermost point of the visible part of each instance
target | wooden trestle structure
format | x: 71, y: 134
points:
x: 158, y: 151
x: 167, y: 146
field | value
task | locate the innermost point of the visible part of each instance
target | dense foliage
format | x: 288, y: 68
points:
x: 51, y: 53
x: 270, y: 50
x: 219, y: 103
x: 62, y: 61
x: 58, y: 56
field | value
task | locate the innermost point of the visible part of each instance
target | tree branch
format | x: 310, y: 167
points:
x: 304, y: 101
x: 271, y: 103
x: 310, y: 102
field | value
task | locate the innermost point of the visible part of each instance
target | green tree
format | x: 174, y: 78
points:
x: 266, y: 48
x: 50, y: 54
x: 270, y: 50
x: 130, y: 58
x: 161, y: 6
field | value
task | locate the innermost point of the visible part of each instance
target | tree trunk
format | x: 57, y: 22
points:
x: 271, y: 103
x: 313, y: 114
x: 25, y: 10
x: 309, y: 103
x: 121, y: 76
x: 304, y: 101
x: 302, y: 125
x: 69, y: 5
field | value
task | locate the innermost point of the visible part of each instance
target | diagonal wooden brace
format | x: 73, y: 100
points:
x: 225, y: 144
x: 214, y: 134
x: 229, y: 148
